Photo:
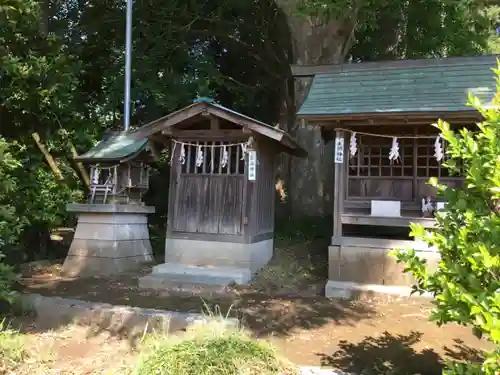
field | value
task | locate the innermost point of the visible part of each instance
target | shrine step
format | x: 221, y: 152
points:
x: 182, y: 289
x: 184, y: 274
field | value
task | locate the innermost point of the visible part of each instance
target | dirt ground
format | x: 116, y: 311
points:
x: 70, y: 350
x: 373, y: 336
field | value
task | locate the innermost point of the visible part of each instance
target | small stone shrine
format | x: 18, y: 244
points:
x: 112, y: 233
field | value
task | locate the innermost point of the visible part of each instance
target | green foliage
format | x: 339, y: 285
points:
x: 37, y: 94
x: 211, y: 349
x: 466, y: 284
x: 392, y: 29
x: 10, y: 223
x: 61, y: 75
x: 12, y: 350
x: 35, y: 74
x: 493, y: 13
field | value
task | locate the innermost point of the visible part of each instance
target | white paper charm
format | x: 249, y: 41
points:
x: 438, y: 149
x: 95, y: 176
x: 182, y: 157
x: 225, y: 157
x: 244, y: 147
x: 353, y: 148
x: 427, y: 205
x: 199, y: 157
x: 394, y: 153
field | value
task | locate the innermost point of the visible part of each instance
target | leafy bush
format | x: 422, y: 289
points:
x: 210, y: 349
x: 10, y: 223
x: 12, y: 351
x: 466, y: 284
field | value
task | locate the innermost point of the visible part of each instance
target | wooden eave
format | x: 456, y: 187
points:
x: 328, y: 123
x: 152, y: 149
x: 397, y: 118
x: 163, y: 126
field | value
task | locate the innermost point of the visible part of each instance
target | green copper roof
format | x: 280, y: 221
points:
x: 114, y: 147
x: 438, y: 85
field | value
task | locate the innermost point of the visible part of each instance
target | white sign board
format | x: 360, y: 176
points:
x: 339, y: 150
x: 386, y: 208
x: 252, y: 165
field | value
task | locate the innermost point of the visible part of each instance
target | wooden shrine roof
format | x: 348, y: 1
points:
x: 206, y: 106
x: 397, y: 87
x: 118, y: 146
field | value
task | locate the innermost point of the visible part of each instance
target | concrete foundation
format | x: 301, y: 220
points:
x: 208, y: 263
x: 219, y: 254
x: 109, y: 239
x: 363, y: 266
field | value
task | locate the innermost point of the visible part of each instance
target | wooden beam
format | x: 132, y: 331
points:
x: 389, y: 244
x: 263, y: 129
x: 48, y: 157
x: 171, y: 120
x: 214, y: 123
x: 206, y: 134
x: 175, y: 169
x: 80, y: 168
x: 339, y: 186
x: 386, y: 119
x: 355, y: 219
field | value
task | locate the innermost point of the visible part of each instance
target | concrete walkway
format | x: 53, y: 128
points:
x: 52, y: 312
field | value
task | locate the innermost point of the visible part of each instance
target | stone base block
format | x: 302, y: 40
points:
x: 126, y: 321
x: 197, y: 253
x: 165, y: 275
x: 109, y: 239
x: 350, y: 290
x: 364, y: 265
x: 184, y: 289
x: 82, y: 266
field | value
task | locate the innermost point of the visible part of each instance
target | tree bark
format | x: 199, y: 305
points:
x: 315, y: 41
x: 48, y: 157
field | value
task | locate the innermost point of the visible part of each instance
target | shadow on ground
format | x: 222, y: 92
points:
x: 286, y: 297
x: 262, y: 314
x: 393, y: 354
x: 280, y: 316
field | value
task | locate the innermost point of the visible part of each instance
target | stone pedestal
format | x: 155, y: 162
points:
x: 362, y: 267
x: 208, y: 263
x: 109, y: 239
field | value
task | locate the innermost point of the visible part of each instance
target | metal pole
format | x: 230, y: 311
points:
x: 128, y: 65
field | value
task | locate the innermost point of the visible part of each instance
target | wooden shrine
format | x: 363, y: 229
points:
x: 379, y: 116
x: 119, y: 169
x: 112, y: 233
x: 221, y: 194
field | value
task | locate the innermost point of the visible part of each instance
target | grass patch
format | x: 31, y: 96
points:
x: 290, y: 267
x: 300, y: 256
x: 210, y: 349
x: 12, y: 349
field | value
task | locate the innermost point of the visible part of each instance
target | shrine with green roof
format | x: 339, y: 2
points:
x: 112, y: 233
x: 221, y: 198
x: 119, y: 168
x: 378, y: 117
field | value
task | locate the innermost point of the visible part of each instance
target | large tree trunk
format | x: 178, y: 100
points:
x: 314, y: 42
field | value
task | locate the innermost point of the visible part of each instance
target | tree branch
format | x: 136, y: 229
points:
x: 48, y: 157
